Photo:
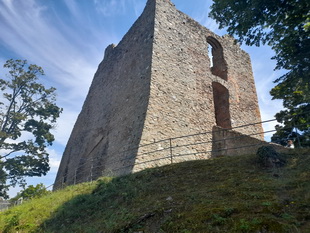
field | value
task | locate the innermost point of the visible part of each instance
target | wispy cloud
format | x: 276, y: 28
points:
x: 68, y: 61
x: 65, y: 125
x: 37, y: 39
x: 73, y: 8
x: 54, y: 158
x: 264, y: 76
x: 110, y: 7
x: 205, y: 20
x: 201, y: 14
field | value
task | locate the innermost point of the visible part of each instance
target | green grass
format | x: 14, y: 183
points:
x: 227, y: 194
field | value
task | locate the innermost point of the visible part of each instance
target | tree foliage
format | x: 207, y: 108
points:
x: 285, y: 26
x: 30, y: 192
x: 27, y: 114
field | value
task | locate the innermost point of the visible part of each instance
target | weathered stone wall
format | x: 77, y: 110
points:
x: 111, y: 122
x: 158, y: 83
x: 231, y: 143
x: 182, y: 85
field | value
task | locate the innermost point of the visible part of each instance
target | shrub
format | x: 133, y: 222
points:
x: 269, y: 157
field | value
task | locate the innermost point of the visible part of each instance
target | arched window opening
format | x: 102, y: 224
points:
x: 217, y: 61
x: 221, y: 105
x: 210, y: 55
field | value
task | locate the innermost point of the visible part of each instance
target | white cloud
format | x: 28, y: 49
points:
x: 44, y: 43
x: 64, y: 126
x: 201, y: 15
x: 68, y: 57
x: 67, y: 66
x: 13, y: 191
x: 54, y: 158
x: 72, y: 6
x: 209, y: 23
x: 8, y: 4
x: 263, y: 69
x: 264, y: 76
x: 110, y: 7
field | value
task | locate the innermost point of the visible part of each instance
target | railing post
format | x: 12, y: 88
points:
x: 171, y: 153
x: 75, y: 172
x: 91, y: 170
x: 63, y: 182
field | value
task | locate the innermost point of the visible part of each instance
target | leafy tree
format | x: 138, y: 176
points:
x: 289, y: 130
x: 27, y: 114
x: 285, y: 26
x: 30, y: 192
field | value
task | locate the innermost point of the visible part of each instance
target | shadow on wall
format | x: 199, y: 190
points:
x: 109, y: 128
x: 112, y: 151
x: 221, y: 105
x: 227, y: 142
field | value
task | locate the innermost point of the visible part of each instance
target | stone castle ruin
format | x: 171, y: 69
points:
x: 159, y: 82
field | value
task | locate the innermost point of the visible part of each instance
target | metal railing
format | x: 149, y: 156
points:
x: 171, y: 152
x: 4, y: 205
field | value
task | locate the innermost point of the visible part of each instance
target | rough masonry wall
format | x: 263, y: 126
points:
x: 109, y: 127
x: 181, y: 92
x: 244, y: 107
x: 158, y: 83
x: 181, y: 101
x: 231, y: 143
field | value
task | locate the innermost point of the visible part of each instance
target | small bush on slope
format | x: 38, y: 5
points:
x: 268, y: 157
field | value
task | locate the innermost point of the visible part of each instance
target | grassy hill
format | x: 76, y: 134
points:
x: 227, y: 194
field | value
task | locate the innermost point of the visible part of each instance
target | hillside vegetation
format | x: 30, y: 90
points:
x: 226, y: 194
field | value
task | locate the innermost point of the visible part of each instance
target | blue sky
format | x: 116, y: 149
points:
x: 68, y: 37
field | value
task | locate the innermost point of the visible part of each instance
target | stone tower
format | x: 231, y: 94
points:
x: 157, y: 83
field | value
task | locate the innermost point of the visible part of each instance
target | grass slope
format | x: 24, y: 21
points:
x: 228, y: 194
